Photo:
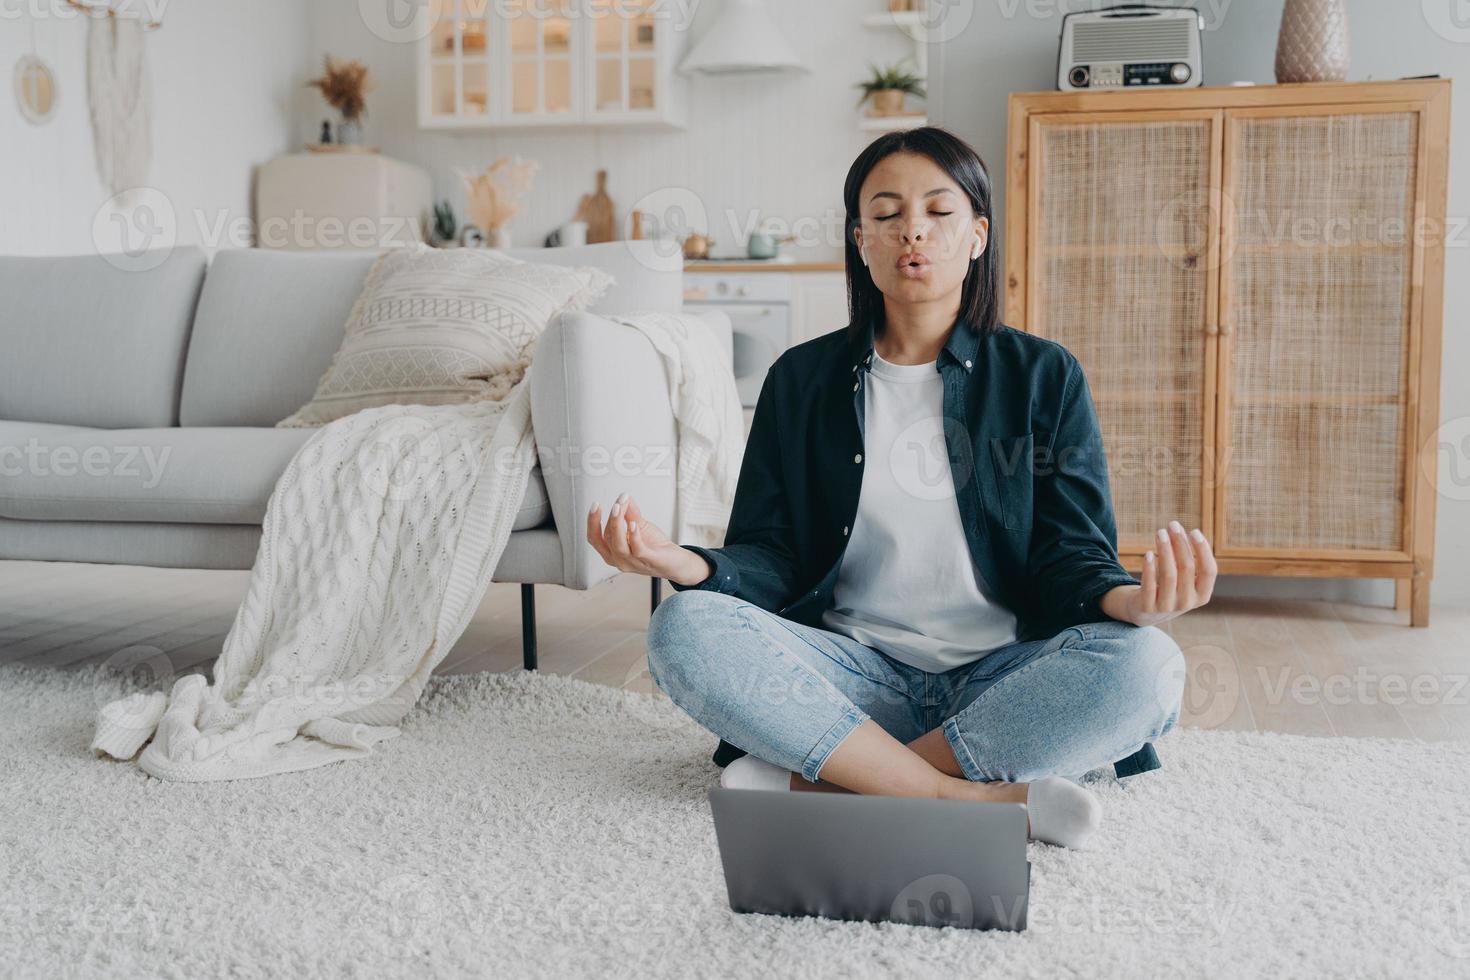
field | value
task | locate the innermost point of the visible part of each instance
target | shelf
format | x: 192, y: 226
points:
x: 911, y: 23
x: 882, y: 124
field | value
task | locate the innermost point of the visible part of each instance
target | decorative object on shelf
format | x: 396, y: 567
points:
x: 766, y: 245
x: 887, y: 87
x: 120, y: 97
x: 697, y: 246
x: 1313, y: 43
x: 340, y: 148
x: 446, y: 225
x: 494, y: 197
x: 345, y: 85
x: 472, y: 38
x: 573, y: 233
x: 471, y: 237
x: 35, y: 89
x: 742, y: 39
x: 597, y: 210
x: 326, y: 137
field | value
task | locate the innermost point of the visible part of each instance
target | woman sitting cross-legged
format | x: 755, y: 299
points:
x: 919, y: 592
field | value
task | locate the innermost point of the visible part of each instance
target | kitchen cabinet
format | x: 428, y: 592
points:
x: 536, y: 63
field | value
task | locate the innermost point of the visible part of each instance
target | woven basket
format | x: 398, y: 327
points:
x: 1313, y: 43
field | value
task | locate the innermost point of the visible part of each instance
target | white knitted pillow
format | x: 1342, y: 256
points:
x: 442, y: 326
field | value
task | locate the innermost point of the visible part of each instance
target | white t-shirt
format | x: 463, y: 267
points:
x: 907, y: 585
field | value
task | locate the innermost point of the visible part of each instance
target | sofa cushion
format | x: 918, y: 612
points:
x: 87, y: 343
x: 267, y: 327
x: 270, y: 321
x: 443, y: 327
x: 201, y: 475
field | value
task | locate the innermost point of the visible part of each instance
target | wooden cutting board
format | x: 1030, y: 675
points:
x: 597, y: 210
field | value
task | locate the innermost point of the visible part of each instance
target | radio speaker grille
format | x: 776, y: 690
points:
x: 1132, y: 39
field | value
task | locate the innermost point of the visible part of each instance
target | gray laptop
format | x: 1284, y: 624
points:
x: 874, y: 858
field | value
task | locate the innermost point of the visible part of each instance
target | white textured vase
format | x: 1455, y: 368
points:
x: 1313, y: 43
x: 498, y: 238
x: 349, y: 132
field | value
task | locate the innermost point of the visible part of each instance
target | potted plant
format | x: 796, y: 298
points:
x: 345, y: 85
x: 446, y: 225
x: 887, y: 87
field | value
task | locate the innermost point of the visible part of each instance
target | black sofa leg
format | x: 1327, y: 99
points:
x: 657, y: 589
x: 528, y: 625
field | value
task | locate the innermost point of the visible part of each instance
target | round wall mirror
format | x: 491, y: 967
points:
x: 35, y: 89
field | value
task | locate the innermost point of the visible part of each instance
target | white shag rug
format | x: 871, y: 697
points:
x: 540, y: 826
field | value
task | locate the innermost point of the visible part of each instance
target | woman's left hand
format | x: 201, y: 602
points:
x: 1178, y: 575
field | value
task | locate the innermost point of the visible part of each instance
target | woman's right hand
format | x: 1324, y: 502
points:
x: 631, y: 544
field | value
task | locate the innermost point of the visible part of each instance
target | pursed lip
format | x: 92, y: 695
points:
x: 912, y: 258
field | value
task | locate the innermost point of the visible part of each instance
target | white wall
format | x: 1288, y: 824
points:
x: 1010, y: 45
x: 225, y: 76
x: 770, y: 146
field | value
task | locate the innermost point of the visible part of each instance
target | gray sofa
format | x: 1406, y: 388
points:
x: 137, y: 407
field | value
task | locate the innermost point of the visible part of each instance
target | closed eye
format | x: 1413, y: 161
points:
x: 937, y: 214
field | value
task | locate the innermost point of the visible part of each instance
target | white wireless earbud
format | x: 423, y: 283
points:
x: 979, y: 246
x: 863, y: 253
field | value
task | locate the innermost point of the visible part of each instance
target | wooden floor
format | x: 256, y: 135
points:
x: 1311, y: 668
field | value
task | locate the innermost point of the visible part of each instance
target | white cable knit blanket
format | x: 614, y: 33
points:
x: 378, y: 544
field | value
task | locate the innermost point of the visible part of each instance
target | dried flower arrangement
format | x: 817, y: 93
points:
x: 345, y: 85
x: 493, y: 197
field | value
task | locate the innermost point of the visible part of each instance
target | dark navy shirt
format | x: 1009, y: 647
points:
x: 1026, y: 456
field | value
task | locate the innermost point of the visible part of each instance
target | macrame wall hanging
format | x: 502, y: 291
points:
x: 120, y: 98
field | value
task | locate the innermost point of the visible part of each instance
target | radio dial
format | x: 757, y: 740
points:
x: 1179, y: 73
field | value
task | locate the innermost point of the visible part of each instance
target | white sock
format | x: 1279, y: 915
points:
x: 748, y: 772
x: 1061, y: 812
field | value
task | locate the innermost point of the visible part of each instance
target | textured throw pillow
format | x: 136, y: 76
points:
x: 444, y: 326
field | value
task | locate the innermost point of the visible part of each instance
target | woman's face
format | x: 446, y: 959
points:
x: 917, y: 229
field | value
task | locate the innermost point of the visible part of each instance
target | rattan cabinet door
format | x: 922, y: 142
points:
x: 1318, y: 261
x: 1121, y: 245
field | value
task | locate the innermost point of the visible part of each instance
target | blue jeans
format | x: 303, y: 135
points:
x: 789, y: 693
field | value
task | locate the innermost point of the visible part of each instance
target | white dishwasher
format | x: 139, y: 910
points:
x: 759, y: 307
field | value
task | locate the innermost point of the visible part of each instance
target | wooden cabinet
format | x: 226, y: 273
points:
x: 1252, y: 279
x: 529, y: 63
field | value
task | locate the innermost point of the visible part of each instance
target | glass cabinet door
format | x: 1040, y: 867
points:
x: 540, y: 58
x: 1121, y: 249
x: 459, y: 78
x: 624, y: 58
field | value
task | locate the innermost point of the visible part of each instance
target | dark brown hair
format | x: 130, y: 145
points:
x: 980, y: 302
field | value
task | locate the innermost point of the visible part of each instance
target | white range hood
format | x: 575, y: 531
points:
x: 743, y: 38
